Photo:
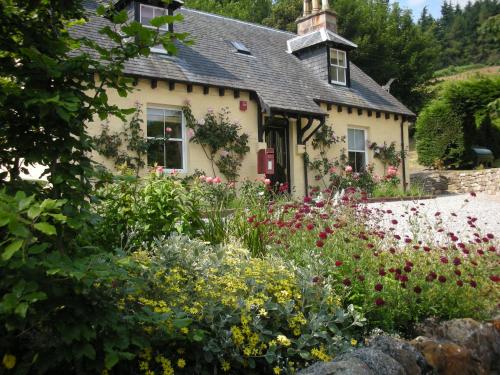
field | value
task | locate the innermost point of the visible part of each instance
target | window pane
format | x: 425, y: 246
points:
x: 155, y: 154
x: 357, y: 161
x: 359, y: 144
x: 334, y: 57
x: 147, y: 13
x: 173, y: 120
x: 341, y: 75
x: 341, y: 59
x: 155, y: 123
x: 173, y: 154
x: 333, y: 74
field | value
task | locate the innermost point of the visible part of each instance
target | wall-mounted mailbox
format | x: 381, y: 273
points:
x: 265, y: 161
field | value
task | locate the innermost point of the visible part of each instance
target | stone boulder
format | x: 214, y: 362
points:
x: 352, y: 366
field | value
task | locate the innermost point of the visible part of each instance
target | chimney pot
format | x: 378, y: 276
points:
x: 316, y: 6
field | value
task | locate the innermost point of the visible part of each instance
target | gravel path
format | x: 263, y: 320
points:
x: 433, y: 220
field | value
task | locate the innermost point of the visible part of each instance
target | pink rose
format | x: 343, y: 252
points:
x: 209, y: 180
x: 217, y: 180
x: 392, y: 171
x: 190, y: 133
x: 332, y: 170
x: 202, y: 178
x: 159, y: 170
x: 168, y: 130
x: 348, y: 169
x: 267, y: 181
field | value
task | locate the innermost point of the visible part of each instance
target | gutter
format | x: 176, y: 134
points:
x: 403, y: 156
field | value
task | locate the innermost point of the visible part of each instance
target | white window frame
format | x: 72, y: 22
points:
x: 338, y: 67
x: 155, y: 49
x: 183, y: 139
x: 365, y: 136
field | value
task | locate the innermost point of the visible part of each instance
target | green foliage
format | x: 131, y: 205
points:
x: 452, y: 70
x: 241, y: 313
x: 49, y: 89
x: 58, y: 308
x: 220, y: 139
x: 387, y: 154
x: 463, y: 115
x: 439, y: 135
x: 133, y: 211
x: 246, y: 10
x: 109, y: 144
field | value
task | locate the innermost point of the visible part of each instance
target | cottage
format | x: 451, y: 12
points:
x: 281, y: 87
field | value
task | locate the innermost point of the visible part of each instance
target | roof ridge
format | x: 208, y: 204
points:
x: 237, y: 20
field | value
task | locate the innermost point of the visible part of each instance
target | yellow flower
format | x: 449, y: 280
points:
x: 181, y: 363
x: 263, y: 312
x: 354, y: 342
x: 9, y: 361
x: 283, y: 340
x: 277, y: 370
x: 185, y: 330
x: 225, y: 366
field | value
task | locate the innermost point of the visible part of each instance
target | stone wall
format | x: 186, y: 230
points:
x: 439, y: 182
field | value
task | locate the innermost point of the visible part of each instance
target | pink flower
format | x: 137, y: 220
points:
x: 168, y: 130
x: 190, y: 133
x: 392, y: 171
x: 209, y: 180
x: 224, y: 153
x: 217, y: 180
x: 159, y: 170
x: 348, y: 169
x: 267, y: 182
x: 202, y: 178
x: 210, y: 110
x: 332, y: 170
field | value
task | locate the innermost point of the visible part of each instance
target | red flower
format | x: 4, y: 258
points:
x: 442, y: 279
x: 472, y: 194
x: 379, y: 287
x: 307, y: 199
x: 379, y: 302
x: 444, y: 260
x: 298, y: 225
x: 382, y: 272
x: 320, y: 204
x: 495, y: 278
x: 394, y: 221
x: 323, y: 235
x: 403, y: 278
x: 457, y: 261
x: 407, y: 269
x: 361, y: 278
x: 251, y: 219
x: 320, y: 243
x: 408, y: 240
x: 417, y: 289
x: 310, y: 226
x: 490, y: 236
x: 492, y: 249
x: 473, y: 284
x: 347, y: 282
x: 338, y: 263
x: 458, y: 272
x: 460, y: 283
x: 427, y: 248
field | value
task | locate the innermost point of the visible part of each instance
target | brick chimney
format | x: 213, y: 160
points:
x: 316, y: 17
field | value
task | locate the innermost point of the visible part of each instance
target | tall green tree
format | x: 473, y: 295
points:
x: 246, y: 10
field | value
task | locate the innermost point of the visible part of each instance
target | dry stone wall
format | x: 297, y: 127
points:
x: 439, y: 182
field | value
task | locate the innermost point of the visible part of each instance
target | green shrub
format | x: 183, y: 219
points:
x: 238, y: 313
x: 140, y: 210
x: 439, y: 135
x: 462, y: 116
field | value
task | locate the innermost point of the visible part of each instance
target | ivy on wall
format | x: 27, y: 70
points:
x: 110, y: 145
x: 221, y: 140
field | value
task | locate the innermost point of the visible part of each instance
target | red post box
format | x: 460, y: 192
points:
x: 265, y: 161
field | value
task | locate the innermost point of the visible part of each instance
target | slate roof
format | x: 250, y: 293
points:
x: 281, y: 81
x: 319, y: 36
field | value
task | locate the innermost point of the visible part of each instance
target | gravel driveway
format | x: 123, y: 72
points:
x: 434, y: 220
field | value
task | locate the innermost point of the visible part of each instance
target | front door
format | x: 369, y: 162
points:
x: 277, y: 139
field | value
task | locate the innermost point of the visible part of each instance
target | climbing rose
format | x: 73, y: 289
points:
x: 348, y: 169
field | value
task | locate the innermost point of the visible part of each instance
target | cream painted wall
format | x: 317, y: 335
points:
x: 378, y: 129
x: 162, y: 97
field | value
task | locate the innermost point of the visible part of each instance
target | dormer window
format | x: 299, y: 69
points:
x: 338, y: 67
x: 148, y: 12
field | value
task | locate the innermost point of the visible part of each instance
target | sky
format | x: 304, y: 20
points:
x: 434, y: 6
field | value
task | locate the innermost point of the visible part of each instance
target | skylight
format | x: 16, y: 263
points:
x: 241, y: 48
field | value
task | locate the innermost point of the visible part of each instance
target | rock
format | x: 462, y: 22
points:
x: 352, y: 366
x: 379, y: 362
x: 448, y: 358
x: 482, y: 340
x: 410, y: 358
